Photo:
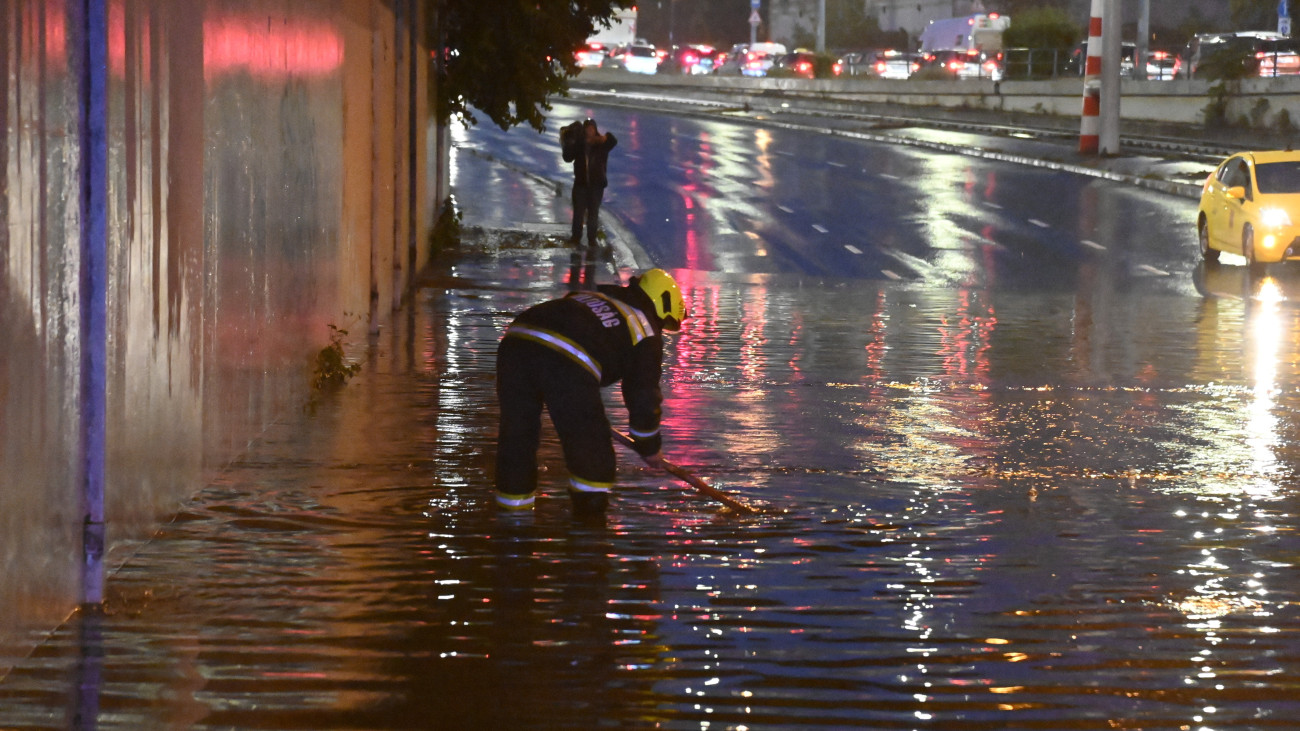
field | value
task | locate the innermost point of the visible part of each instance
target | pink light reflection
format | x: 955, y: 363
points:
x: 281, y: 48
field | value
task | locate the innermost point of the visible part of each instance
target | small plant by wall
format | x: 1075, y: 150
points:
x: 1282, y: 122
x: 332, y: 367
x: 1259, y: 114
x: 1215, y: 112
x: 446, y: 234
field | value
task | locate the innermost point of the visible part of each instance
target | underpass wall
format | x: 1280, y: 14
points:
x: 1181, y: 101
x: 260, y: 198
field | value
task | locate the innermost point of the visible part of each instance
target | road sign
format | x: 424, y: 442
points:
x: 755, y: 19
x: 1282, y: 10
x: 1284, y: 25
x: 755, y: 3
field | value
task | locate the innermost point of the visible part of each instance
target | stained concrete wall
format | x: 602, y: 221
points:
x: 269, y: 180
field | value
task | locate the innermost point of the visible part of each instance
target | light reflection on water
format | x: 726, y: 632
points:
x: 968, y: 526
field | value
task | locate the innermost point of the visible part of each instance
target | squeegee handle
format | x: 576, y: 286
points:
x: 684, y: 475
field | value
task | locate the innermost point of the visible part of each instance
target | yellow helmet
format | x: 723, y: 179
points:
x: 667, y: 298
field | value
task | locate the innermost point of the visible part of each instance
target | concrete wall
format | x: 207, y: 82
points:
x: 266, y: 181
x: 1181, y: 101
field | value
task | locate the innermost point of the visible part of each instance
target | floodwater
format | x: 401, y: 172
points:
x: 983, y: 509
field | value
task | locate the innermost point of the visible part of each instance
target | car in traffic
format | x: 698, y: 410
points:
x: 800, y: 63
x: 759, y: 57
x: 852, y: 63
x: 727, y: 63
x: 691, y: 59
x: 641, y: 59
x: 1249, y: 53
x: 1162, y: 66
x: 1250, y: 205
x: 591, y: 54
x: 891, y: 64
x: 961, y: 64
x: 1127, y: 59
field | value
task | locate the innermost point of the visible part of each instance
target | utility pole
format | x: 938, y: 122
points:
x: 1143, y: 40
x: 821, y: 26
x: 1112, y: 50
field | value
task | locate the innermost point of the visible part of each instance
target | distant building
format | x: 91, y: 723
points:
x: 789, y: 20
x: 913, y: 15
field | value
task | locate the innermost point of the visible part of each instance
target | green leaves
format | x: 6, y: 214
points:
x: 505, y: 57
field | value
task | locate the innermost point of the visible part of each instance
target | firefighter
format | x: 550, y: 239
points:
x: 559, y: 354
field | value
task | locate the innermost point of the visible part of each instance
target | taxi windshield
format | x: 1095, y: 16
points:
x: 1278, y: 177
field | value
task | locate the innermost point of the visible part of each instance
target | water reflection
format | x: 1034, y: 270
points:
x: 962, y: 541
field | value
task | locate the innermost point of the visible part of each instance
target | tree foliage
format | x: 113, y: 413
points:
x: 1041, y: 27
x: 1253, y: 14
x: 505, y: 57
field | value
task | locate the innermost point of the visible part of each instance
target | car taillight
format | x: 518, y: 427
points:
x: 803, y: 67
x: 880, y: 67
x: 916, y: 66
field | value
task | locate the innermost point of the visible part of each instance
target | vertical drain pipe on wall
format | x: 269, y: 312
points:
x: 91, y: 26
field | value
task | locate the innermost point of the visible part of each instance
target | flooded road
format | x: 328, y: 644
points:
x: 987, y: 507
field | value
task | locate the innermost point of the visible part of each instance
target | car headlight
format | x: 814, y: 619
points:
x: 1274, y: 217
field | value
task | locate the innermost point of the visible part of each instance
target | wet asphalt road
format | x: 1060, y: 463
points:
x: 719, y: 196
x: 1025, y: 463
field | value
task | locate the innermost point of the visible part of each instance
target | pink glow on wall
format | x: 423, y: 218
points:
x: 283, y: 47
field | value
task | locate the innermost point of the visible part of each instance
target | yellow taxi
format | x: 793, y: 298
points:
x: 1250, y: 205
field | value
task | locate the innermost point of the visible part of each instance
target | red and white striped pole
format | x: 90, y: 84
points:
x: 1090, y: 124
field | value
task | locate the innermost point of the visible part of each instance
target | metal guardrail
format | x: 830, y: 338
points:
x: 1038, y: 63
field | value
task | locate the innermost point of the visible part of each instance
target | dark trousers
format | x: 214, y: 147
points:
x: 530, y: 376
x: 586, y: 209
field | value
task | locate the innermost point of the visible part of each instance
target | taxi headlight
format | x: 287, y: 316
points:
x: 1274, y: 217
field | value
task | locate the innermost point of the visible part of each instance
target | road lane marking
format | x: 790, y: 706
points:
x: 853, y: 249
x: 820, y: 228
x: 890, y: 274
x: 1039, y: 223
x: 991, y: 204
x: 834, y: 164
x: 785, y: 209
x: 887, y: 176
x: 1093, y: 245
x: 1152, y: 270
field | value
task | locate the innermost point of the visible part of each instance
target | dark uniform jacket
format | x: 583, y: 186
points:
x: 607, y: 334
x: 589, y: 161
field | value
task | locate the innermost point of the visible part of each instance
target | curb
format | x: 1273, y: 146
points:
x: 628, y: 252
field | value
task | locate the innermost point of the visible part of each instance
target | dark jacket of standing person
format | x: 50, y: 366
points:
x: 588, y: 150
x: 590, y: 158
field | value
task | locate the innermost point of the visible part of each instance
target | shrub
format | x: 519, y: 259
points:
x: 446, y: 230
x: 1283, y: 122
x: 1258, y: 114
x: 1041, y: 27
